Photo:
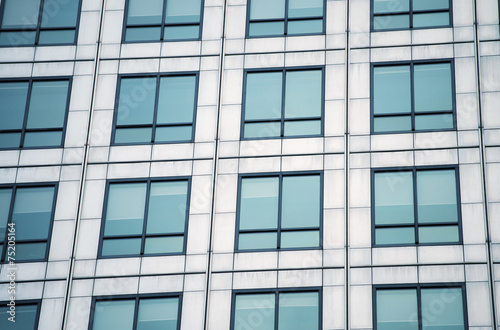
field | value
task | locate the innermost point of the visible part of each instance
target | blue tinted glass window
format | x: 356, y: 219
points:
x: 158, y: 314
x: 396, y: 309
x: 25, y: 317
x: 118, y: 314
x: 298, y: 311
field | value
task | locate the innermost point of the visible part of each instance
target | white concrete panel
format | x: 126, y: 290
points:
x: 51, y: 314
x: 361, y: 307
x: 162, y: 265
x: 251, y: 280
x: 255, y: 260
x: 155, y: 284
x: 116, y: 286
x: 117, y: 267
x: 61, y: 244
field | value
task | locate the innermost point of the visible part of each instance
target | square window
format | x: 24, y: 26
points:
x: 145, y: 218
x: 279, y: 212
x: 25, y: 317
x: 413, y: 97
x: 38, y: 22
x: 155, y: 109
x: 410, y: 14
x: 416, y: 206
x: 285, y: 17
x: 284, y: 103
x: 162, y: 20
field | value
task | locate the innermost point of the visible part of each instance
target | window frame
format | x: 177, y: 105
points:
x: 278, y: 230
x: 276, y: 292
x: 418, y: 287
x: 23, y: 130
x: 153, y: 126
x: 14, y: 187
x: 162, y: 26
x: 410, y: 16
x: 137, y: 298
x: 36, y: 302
x: 415, y: 225
x: 39, y: 28
x: 412, y: 64
x: 285, y: 22
x: 283, y: 70
x: 143, y: 236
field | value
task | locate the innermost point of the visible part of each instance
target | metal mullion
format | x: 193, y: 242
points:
x: 419, y: 307
x: 412, y: 90
x: 18, y: 30
x: 26, y: 110
x: 398, y: 114
x: 431, y: 11
x: 122, y: 236
x: 45, y: 129
x: 280, y: 205
x: 301, y: 229
x: 144, y: 221
x: 9, y: 220
x: 3, y: 131
x: 303, y: 119
x: 176, y: 234
x: 391, y: 13
x: 415, y: 206
x: 155, y: 111
x: 394, y: 225
x: 265, y: 20
x: 174, y: 125
x: 411, y: 22
x: 439, y: 224
x: 305, y: 18
x: 286, y: 20
x: 143, y: 25
x: 276, y: 307
x: 256, y: 231
x: 163, y: 16
x: 57, y: 28
x: 134, y: 126
x: 39, y: 23
x: 136, y: 313
x: 258, y: 121
x: 283, y: 97
x: 182, y: 24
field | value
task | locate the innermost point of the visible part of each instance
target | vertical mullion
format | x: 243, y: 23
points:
x: 136, y: 313
x: 39, y: 23
x: 283, y: 105
x: 411, y: 14
x: 155, y: 110
x: 26, y: 110
x: 412, y: 91
x: 285, y: 21
x: 145, y: 220
x: 276, y: 309
x: 163, y: 15
x: 419, y: 307
x: 415, y: 206
x: 280, y: 205
x: 9, y: 220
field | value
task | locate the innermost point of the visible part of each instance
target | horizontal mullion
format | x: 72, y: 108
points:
x: 20, y: 241
x: 257, y: 231
x: 262, y: 121
x: 174, y: 125
x: 135, y: 126
x: 300, y: 229
x: 11, y: 131
x: 182, y: 24
x: 178, y: 234
x: 47, y: 129
x: 398, y: 114
x: 63, y: 28
x: 390, y: 13
x: 303, y: 119
x: 429, y: 11
x: 305, y: 18
x: 405, y: 225
x: 143, y: 25
x: 444, y: 112
x: 111, y: 237
x: 19, y: 30
x: 438, y: 224
x: 275, y: 20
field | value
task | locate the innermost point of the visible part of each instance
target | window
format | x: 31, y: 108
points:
x: 283, y: 309
x: 424, y: 307
x: 284, y: 103
x: 25, y: 317
x: 162, y: 20
x: 33, y: 112
x: 145, y: 218
x: 416, y: 206
x: 38, y: 22
x: 417, y: 96
x: 136, y: 313
x: 410, y: 14
x: 285, y: 17
x: 280, y: 212
x: 157, y: 109
x: 28, y: 212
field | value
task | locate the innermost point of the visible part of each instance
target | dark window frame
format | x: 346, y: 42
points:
x: 26, y: 111
x: 137, y: 298
x: 143, y: 235
x: 278, y: 230
x: 33, y: 302
x: 285, y: 20
x: 414, y: 170
x: 162, y: 26
x: 14, y: 188
x: 412, y: 86
x: 283, y: 70
x: 418, y: 287
x: 153, y: 126
x: 39, y: 28
x: 410, y: 14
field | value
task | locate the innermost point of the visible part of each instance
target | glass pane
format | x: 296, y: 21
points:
x: 390, y: 6
x: 17, y: 38
x: 303, y: 94
x: 167, y: 207
x: 263, y: 95
x: 266, y: 29
x: 392, y: 89
x: 57, y: 37
x: 60, y: 13
x: 10, y: 140
x: 125, y: 209
x: 391, y: 22
x: 442, y: 309
x: 5, y: 199
x: 147, y: 12
x: 118, y: 314
x: 254, y: 311
x: 48, y: 101
x: 22, y: 14
x: 143, y: 34
x: 258, y: 241
x: 136, y: 101
x: 397, y: 309
x: 302, y: 127
x: 394, y: 198
x: 265, y: 9
x: 433, y: 87
x: 13, y: 105
x: 183, y: 11
x: 259, y: 203
x: 404, y: 235
x: 133, y: 135
x: 298, y: 311
x: 262, y: 130
x: 40, y: 139
x: 442, y: 121
x: 430, y: 4
x: 301, y: 201
x: 25, y: 317
x: 431, y: 19
x: 437, y: 196
x: 33, y: 212
x: 305, y: 8
x: 392, y: 124
x: 306, y: 26
x: 30, y: 251
x: 174, y: 133
x: 164, y: 245
x: 158, y: 314
x: 435, y: 234
x: 117, y: 247
x: 299, y: 239
x: 176, y: 100
x: 181, y: 32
